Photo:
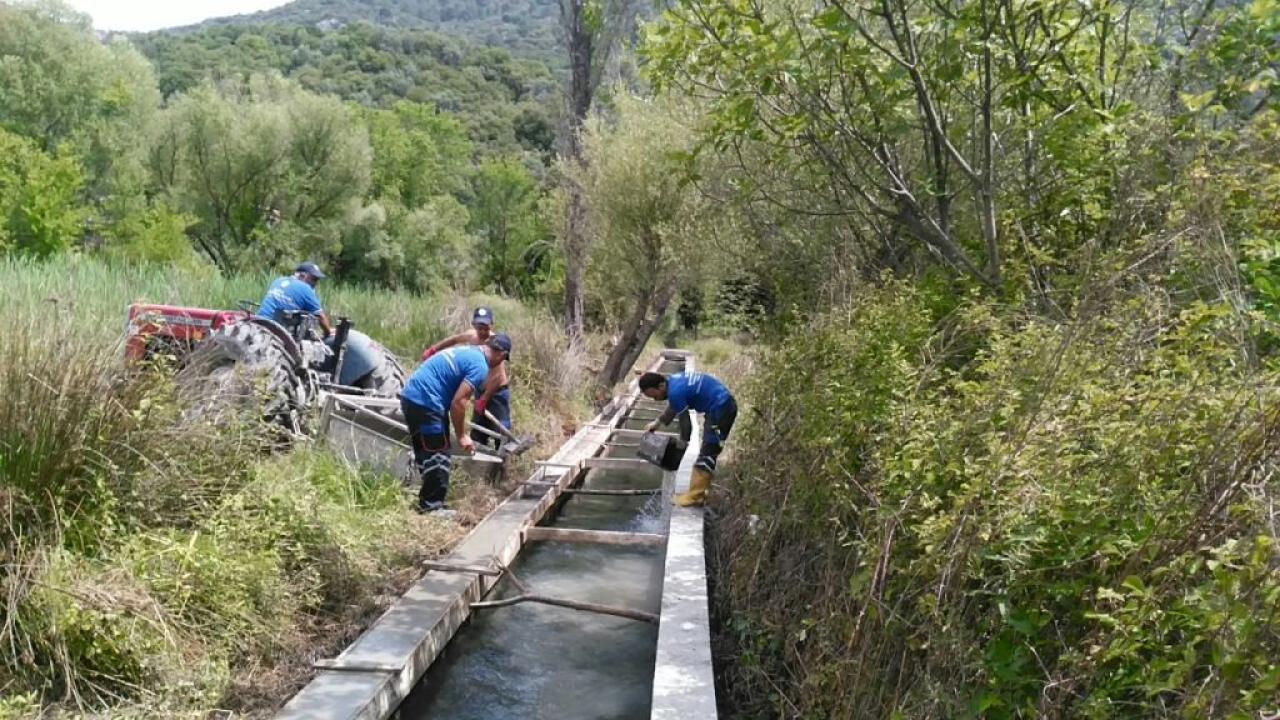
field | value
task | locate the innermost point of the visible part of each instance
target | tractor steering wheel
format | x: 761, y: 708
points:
x: 248, y: 306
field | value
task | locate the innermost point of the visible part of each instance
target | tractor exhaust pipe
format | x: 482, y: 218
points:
x: 340, y: 346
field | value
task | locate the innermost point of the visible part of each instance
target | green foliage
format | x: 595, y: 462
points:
x: 424, y: 249
x: 232, y: 155
x: 155, y: 235
x: 525, y: 27
x: 418, y: 152
x: 969, y: 136
x: 1030, y: 519
x: 39, y: 198
x: 62, y: 87
x: 500, y: 100
x: 505, y: 215
x: 653, y: 226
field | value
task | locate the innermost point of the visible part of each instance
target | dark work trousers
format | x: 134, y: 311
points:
x: 500, y: 406
x: 429, y: 435
x: 715, y: 430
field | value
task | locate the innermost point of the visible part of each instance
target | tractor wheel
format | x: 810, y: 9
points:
x: 243, y: 369
x: 387, y: 377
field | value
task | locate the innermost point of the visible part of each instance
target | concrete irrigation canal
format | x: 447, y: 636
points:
x: 582, y: 596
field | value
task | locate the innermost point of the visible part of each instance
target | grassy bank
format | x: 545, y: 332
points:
x: 153, y: 567
x: 974, y: 512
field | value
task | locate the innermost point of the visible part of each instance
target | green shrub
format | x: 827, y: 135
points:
x: 1013, y: 518
x: 95, y: 635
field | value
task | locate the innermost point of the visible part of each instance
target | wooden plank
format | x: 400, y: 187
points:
x: 603, y: 463
x: 598, y: 491
x: 639, y: 433
x: 454, y: 567
x: 600, y: 537
x: 571, y: 604
x: 361, y: 401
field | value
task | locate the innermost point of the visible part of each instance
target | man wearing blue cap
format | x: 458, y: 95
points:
x: 436, y: 397
x: 496, y: 394
x: 295, y: 293
x: 694, y: 392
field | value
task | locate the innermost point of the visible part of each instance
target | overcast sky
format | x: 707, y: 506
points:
x: 156, y: 14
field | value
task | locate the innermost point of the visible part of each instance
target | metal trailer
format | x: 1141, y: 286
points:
x: 371, y: 432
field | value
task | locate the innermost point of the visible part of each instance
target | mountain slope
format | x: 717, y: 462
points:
x: 506, y: 103
x: 526, y: 28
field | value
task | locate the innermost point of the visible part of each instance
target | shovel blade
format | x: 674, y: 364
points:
x: 515, y: 447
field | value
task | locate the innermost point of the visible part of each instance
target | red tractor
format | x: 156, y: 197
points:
x: 223, y: 355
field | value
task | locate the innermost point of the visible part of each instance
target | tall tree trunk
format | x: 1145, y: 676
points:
x: 635, y: 334
x: 580, y: 41
x: 987, y: 184
x: 575, y: 264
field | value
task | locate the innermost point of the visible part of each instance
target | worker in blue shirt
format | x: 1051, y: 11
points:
x: 295, y: 293
x: 496, y: 394
x: 694, y: 392
x: 437, y: 396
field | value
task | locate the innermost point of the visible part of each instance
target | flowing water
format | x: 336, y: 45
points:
x: 531, y: 661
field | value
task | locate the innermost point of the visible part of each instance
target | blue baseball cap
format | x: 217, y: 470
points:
x: 311, y: 269
x: 482, y: 315
x: 501, y: 342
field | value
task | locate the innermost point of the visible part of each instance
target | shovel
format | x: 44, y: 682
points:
x: 508, y: 444
x: 517, y: 444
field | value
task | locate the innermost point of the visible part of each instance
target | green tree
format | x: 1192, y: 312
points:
x: 593, y: 30
x: 61, y: 86
x: 420, y: 249
x: 269, y: 170
x: 653, y: 227
x: 418, y: 152
x: 40, y: 211
x: 505, y: 215
x: 497, y: 98
x: 919, y: 124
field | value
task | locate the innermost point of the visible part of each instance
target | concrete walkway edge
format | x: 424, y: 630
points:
x: 684, y: 682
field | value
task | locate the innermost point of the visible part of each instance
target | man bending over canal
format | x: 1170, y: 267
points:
x: 437, y: 395
x: 694, y: 392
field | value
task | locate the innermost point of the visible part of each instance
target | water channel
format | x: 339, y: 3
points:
x: 531, y: 661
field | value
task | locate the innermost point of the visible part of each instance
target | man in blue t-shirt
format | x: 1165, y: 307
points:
x: 295, y: 293
x: 694, y: 392
x: 496, y: 395
x: 436, y: 396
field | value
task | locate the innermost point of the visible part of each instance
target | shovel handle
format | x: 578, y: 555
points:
x: 501, y: 428
x: 488, y: 432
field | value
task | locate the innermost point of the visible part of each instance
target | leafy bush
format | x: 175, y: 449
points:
x: 1002, y: 516
x: 40, y: 213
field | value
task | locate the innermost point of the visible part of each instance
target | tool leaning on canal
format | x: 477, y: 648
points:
x: 508, y: 443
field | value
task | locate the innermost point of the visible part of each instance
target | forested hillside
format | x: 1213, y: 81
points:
x: 507, y: 104
x: 526, y: 28
x: 243, y: 168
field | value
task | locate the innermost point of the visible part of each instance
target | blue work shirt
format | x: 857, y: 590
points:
x: 436, y: 381
x: 288, y: 294
x: 696, y: 391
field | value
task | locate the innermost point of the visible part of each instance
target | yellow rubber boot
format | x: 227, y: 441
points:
x: 699, y: 484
